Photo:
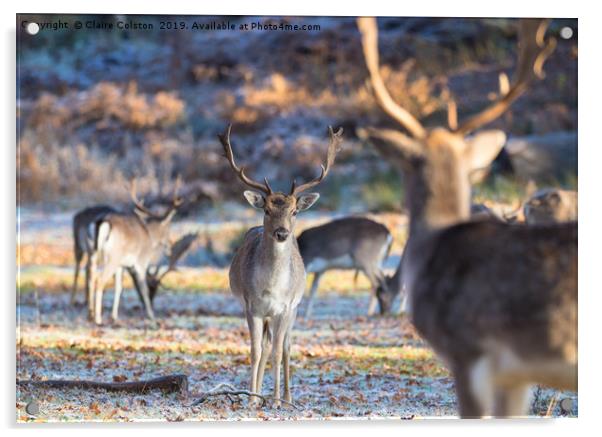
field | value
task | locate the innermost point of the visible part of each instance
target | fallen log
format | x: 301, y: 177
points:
x: 170, y: 383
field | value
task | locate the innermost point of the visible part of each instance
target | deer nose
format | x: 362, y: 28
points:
x: 281, y: 234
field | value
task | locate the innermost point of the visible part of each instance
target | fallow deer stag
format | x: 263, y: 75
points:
x: 131, y: 241
x: 347, y: 243
x: 497, y: 302
x: 267, y: 274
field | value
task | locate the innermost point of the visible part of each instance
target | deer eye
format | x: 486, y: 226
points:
x: 295, y: 212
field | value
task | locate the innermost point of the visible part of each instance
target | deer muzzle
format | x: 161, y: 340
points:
x: 281, y: 234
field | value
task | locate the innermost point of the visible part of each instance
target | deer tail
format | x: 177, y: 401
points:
x: 103, y: 229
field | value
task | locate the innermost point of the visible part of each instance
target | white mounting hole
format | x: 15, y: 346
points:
x: 32, y: 28
x: 566, y: 32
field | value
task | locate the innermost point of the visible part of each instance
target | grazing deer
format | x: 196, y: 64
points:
x: 156, y: 274
x: 267, y: 274
x: 551, y: 205
x: 83, y: 240
x: 394, y: 283
x: 355, y: 243
x: 131, y: 241
x: 497, y: 302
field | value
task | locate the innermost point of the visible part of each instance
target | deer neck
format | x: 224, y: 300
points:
x: 273, y: 253
x: 438, y: 195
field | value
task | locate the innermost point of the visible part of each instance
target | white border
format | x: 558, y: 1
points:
x: 589, y: 163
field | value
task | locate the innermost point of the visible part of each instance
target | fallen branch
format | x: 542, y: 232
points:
x: 169, y: 383
x: 227, y: 390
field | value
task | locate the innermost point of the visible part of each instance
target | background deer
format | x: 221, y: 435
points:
x: 497, y: 302
x: 131, y: 241
x: 347, y: 243
x: 156, y: 274
x: 267, y: 273
x: 83, y: 240
x: 551, y: 205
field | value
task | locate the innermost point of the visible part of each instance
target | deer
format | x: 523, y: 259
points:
x: 393, y: 284
x: 497, y: 302
x: 83, y: 240
x: 267, y: 274
x: 156, y: 273
x: 349, y: 243
x: 551, y: 205
x: 131, y: 241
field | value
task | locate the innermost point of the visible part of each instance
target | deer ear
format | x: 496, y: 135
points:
x: 305, y: 201
x: 255, y: 199
x: 483, y: 147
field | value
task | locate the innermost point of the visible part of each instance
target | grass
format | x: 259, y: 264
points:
x: 198, y: 280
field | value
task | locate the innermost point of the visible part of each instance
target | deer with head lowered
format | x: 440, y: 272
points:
x: 497, y: 302
x: 267, y: 274
x: 128, y: 241
x: 346, y: 243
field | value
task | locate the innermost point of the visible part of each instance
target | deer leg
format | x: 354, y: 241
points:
x: 78, y: 260
x: 140, y: 274
x: 266, y: 346
x: 101, y: 281
x: 256, y: 331
x: 373, y: 277
x: 91, y: 273
x: 280, y: 329
x: 473, y: 388
x: 312, y: 293
x: 118, y: 290
x: 512, y: 402
x: 286, y: 365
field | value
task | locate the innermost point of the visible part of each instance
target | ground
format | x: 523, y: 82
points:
x: 345, y: 365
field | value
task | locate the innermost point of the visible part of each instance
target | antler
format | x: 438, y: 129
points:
x: 177, y: 250
x: 176, y: 202
x: 533, y: 52
x: 240, y: 171
x: 333, y: 148
x: 369, y: 30
x: 139, y: 205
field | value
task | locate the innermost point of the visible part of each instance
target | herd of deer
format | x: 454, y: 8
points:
x: 497, y: 301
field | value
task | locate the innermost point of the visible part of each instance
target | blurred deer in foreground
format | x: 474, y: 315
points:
x: 551, y: 205
x: 497, y: 302
x: 128, y: 241
x: 267, y: 273
x: 394, y: 283
x: 347, y: 243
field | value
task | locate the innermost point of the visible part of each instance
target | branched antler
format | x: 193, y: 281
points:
x: 369, y: 31
x: 334, y: 146
x: 177, y: 250
x: 140, y: 207
x: 240, y: 171
x: 534, y: 49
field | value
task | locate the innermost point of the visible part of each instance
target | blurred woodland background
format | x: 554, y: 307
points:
x: 97, y: 107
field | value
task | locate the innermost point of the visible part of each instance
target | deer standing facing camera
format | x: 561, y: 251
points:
x: 267, y: 274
